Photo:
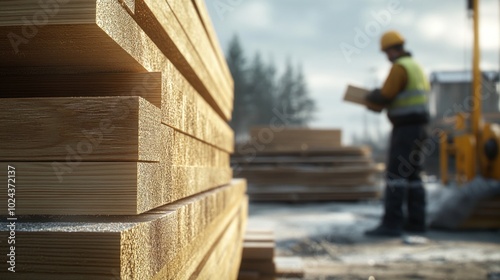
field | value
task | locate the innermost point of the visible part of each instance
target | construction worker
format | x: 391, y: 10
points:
x: 404, y: 96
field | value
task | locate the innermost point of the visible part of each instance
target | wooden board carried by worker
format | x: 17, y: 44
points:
x: 358, y: 95
x: 133, y: 247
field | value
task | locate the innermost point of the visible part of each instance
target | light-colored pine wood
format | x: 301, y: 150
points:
x: 207, y: 24
x: 224, y: 258
x: 132, y: 247
x: 106, y: 188
x: 79, y: 129
x: 146, y: 85
x: 358, y: 95
x: 106, y: 39
x: 191, y: 23
x: 159, y: 21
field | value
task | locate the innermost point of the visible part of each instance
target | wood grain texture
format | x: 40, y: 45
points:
x: 184, y: 110
x: 224, y: 258
x: 79, y: 129
x: 207, y: 24
x: 166, y: 29
x: 146, y: 85
x: 191, y: 23
x: 110, y: 42
x: 132, y: 247
x: 106, y: 188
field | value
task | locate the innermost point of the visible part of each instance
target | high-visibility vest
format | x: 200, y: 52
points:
x: 413, y: 100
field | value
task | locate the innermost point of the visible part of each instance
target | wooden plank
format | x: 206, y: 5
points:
x: 191, y: 23
x: 106, y: 188
x: 303, y: 197
x: 146, y: 85
x: 358, y: 95
x: 184, y: 110
x: 158, y: 20
x: 258, y: 250
x: 79, y: 129
x: 258, y: 149
x: 189, y: 258
x: 207, y: 23
x: 317, y: 176
x: 68, y: 44
x: 262, y: 267
x: 132, y: 247
x: 224, y: 258
x: 279, y: 189
x: 300, y: 139
x: 300, y: 160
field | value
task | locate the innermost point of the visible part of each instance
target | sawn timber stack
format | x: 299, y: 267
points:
x: 115, y: 116
x: 294, y: 165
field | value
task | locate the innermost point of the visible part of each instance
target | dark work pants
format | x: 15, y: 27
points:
x: 403, y: 181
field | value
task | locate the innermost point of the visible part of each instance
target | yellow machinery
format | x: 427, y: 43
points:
x: 475, y: 145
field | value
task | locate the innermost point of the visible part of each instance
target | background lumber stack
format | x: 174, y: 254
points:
x: 114, y: 114
x: 296, y: 166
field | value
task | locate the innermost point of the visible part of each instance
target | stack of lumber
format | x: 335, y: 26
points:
x: 114, y: 115
x: 486, y: 215
x: 324, y: 171
x: 259, y: 260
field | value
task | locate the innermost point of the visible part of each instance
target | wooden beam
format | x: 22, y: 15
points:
x: 146, y: 85
x: 257, y: 148
x: 132, y: 247
x: 79, y: 129
x: 107, y: 188
x: 300, y: 139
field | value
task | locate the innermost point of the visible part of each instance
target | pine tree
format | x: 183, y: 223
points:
x: 262, y: 91
x: 237, y: 65
x: 293, y: 97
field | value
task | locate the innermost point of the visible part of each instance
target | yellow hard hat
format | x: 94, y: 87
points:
x: 391, y: 38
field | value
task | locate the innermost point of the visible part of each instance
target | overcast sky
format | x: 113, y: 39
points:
x: 337, y: 43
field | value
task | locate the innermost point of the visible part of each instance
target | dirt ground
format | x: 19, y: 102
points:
x: 329, y: 239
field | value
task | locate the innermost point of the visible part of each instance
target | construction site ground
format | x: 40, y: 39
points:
x: 329, y: 239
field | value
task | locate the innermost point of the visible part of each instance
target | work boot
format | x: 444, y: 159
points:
x: 416, y: 208
x: 392, y: 222
x: 384, y: 231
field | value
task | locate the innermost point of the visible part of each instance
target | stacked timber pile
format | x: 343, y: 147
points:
x: 259, y: 260
x: 115, y: 142
x: 304, y: 165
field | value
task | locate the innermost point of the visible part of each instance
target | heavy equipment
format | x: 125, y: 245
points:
x: 475, y: 144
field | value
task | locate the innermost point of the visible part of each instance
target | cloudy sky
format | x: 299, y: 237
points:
x: 337, y: 43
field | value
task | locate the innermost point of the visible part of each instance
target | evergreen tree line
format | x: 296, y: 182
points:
x: 260, y: 93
